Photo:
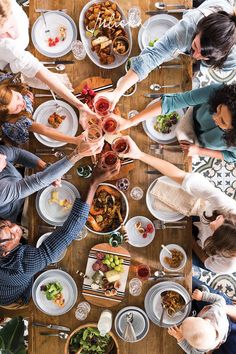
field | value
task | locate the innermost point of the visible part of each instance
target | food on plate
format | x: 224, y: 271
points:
x: 144, y: 231
x: 102, y: 24
x: 172, y: 301
x: 151, y: 43
x: 164, y: 122
x: 52, y: 42
x: 120, y: 45
x: 61, y: 36
x: 62, y: 33
x: 55, y: 119
x: 175, y: 260
x: 90, y: 341
x: 107, y: 211
x: 53, y: 291
x: 65, y: 203
x: 130, y: 90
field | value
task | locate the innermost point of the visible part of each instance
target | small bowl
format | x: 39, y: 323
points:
x: 130, y: 91
x: 164, y: 254
x: 123, y: 43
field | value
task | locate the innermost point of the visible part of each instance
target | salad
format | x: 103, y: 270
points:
x: 53, y: 292
x: 164, y: 122
x: 151, y: 43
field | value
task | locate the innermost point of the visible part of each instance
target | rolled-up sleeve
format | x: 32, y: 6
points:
x: 229, y: 156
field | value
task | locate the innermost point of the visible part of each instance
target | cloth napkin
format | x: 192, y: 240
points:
x: 38, y: 84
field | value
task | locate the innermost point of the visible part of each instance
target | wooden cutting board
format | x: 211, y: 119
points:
x: 98, y: 297
x: 92, y: 82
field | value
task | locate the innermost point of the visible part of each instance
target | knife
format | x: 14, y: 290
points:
x: 51, y: 326
x: 47, y: 10
x: 56, y: 62
x: 174, y: 11
x: 153, y: 95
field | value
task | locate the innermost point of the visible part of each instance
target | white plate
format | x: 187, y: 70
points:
x: 54, y: 20
x: 161, y: 215
x: 164, y: 254
x: 125, y: 205
x: 152, y: 303
x: 148, y: 126
x: 155, y: 27
x: 120, y: 59
x: 69, y: 126
x: 53, y: 213
x: 69, y: 291
x: 140, y: 322
x: 44, y: 237
x: 135, y: 238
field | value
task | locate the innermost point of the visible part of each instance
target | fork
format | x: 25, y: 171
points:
x: 61, y: 335
x: 47, y: 30
x: 59, y: 109
x: 160, y: 226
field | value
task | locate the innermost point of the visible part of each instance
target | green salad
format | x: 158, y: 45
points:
x: 164, y: 122
x: 151, y: 43
x: 89, y: 340
x: 52, y: 290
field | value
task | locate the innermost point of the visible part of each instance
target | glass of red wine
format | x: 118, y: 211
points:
x: 102, y: 106
x: 143, y: 272
x: 110, y: 159
x: 120, y: 145
x: 109, y: 125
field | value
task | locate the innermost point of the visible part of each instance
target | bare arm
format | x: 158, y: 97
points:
x: 201, y: 151
x: 53, y: 133
x: 231, y: 312
x: 199, y: 252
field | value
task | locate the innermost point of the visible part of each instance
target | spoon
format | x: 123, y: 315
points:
x: 157, y: 87
x: 167, y: 250
x: 58, y: 67
x: 61, y: 335
x: 162, y: 5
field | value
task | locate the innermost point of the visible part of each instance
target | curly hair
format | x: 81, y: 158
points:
x: 226, y: 95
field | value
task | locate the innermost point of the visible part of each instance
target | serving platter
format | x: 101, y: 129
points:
x: 98, y: 297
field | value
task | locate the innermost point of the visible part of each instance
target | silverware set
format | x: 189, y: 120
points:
x: 162, y: 225
x: 161, y: 275
x: 51, y: 326
x: 157, y: 87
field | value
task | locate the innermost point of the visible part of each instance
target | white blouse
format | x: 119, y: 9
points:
x: 12, y: 51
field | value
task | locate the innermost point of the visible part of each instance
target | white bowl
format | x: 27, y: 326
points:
x: 164, y: 253
x: 130, y: 94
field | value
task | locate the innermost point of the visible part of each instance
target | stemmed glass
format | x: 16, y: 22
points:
x: 134, y: 17
x: 93, y: 135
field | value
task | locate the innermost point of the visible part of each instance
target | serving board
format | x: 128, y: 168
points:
x: 98, y: 297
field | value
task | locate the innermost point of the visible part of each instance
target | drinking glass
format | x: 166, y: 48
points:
x: 102, y: 106
x: 123, y: 184
x: 82, y: 234
x: 143, y: 271
x: 82, y: 310
x: 132, y: 113
x: 134, y: 17
x: 109, y: 125
x: 93, y: 135
x: 120, y: 145
x: 110, y: 159
x: 136, y: 193
x: 78, y: 50
x: 135, y: 287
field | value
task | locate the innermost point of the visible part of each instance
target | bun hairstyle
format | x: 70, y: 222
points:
x: 217, y: 37
x: 5, y: 10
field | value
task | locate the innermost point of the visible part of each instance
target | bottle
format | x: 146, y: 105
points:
x: 105, y: 322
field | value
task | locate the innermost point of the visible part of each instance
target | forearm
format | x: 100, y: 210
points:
x: 52, y: 133
x: 199, y: 252
x: 231, y: 312
x: 127, y: 81
x: 91, y: 192
x: 166, y: 168
x: 211, y: 153
x: 149, y: 112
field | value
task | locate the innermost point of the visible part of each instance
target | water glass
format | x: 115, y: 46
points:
x: 122, y: 184
x: 132, y: 113
x: 135, y: 287
x: 134, y: 17
x: 136, y: 193
x: 82, y: 311
x: 82, y: 234
x: 78, y: 50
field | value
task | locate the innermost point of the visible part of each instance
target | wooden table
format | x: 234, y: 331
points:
x: 157, y: 341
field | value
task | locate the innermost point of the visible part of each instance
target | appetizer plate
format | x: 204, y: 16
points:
x: 98, y: 297
x: 148, y: 126
x: 53, y: 213
x: 54, y: 20
x: 70, y: 292
x: 119, y: 59
x: 164, y: 254
x: 140, y: 322
x: 159, y: 214
x: 69, y: 125
x: 135, y: 238
x: 154, y: 28
x: 153, y: 306
x: 44, y: 237
x: 124, y: 206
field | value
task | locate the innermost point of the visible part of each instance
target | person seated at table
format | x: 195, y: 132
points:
x: 207, y: 129
x: 20, y: 263
x: 16, y: 108
x: 198, y: 34
x: 209, y: 329
x: 14, y: 188
x: 217, y: 238
x: 14, y: 39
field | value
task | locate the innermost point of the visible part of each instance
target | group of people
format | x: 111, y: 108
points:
x: 208, y: 34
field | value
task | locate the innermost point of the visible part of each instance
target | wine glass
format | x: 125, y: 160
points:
x: 135, y: 287
x: 78, y: 50
x: 110, y: 159
x: 93, y: 135
x: 82, y: 311
x: 134, y: 17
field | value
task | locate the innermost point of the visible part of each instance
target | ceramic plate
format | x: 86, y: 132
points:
x: 154, y: 28
x: 140, y: 322
x: 44, y: 237
x: 54, y: 20
x: 159, y: 214
x: 164, y: 254
x: 135, y: 238
x: 69, y: 125
x: 120, y: 59
x: 53, y: 213
x: 148, y: 126
x: 70, y: 292
x: 153, y: 306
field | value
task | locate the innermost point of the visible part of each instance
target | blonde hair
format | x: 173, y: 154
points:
x: 5, y: 10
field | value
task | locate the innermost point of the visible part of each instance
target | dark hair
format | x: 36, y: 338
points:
x: 223, y: 240
x: 217, y: 37
x: 226, y: 95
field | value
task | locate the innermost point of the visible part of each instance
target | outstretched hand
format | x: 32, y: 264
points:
x: 176, y: 332
x: 101, y: 174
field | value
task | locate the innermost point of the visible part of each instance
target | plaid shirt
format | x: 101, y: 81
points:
x: 18, y: 268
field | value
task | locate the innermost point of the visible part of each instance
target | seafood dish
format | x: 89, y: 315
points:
x: 55, y: 120
x: 175, y: 260
x: 107, y: 211
x: 53, y: 292
x: 65, y: 203
x: 172, y: 301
